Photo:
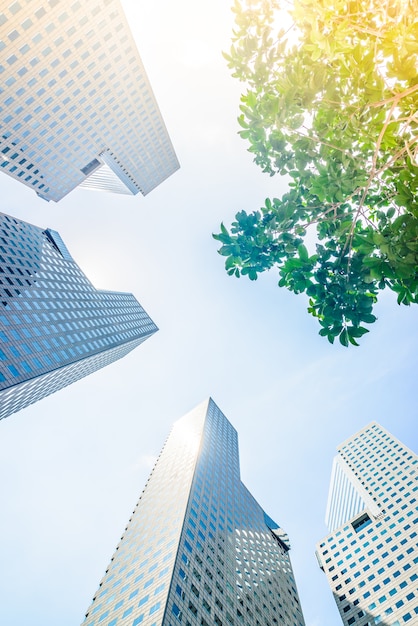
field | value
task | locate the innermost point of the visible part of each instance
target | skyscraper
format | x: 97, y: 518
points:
x: 76, y: 106
x: 55, y: 327
x: 370, y: 557
x: 198, y: 549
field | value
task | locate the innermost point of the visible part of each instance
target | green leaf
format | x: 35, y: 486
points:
x: 344, y: 338
x: 252, y: 274
x: 242, y: 122
x: 352, y: 340
x: 303, y: 252
x: 357, y: 331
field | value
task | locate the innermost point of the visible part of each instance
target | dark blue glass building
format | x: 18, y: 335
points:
x: 55, y: 327
x: 198, y: 550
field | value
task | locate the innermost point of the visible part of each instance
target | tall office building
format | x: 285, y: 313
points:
x: 55, y: 327
x: 370, y: 557
x: 76, y: 106
x: 198, y: 549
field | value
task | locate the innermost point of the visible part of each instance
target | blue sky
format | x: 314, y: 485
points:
x: 74, y: 464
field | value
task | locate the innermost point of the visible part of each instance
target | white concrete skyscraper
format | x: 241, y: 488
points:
x: 76, y: 106
x: 198, y: 549
x: 370, y: 557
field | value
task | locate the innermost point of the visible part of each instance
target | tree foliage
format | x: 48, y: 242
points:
x: 331, y: 103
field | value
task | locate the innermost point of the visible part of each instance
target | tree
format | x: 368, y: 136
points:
x: 331, y: 103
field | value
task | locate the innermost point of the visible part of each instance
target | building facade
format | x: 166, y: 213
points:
x: 55, y: 327
x: 76, y: 106
x: 370, y: 557
x: 198, y: 549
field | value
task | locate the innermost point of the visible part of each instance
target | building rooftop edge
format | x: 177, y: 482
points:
x: 361, y: 430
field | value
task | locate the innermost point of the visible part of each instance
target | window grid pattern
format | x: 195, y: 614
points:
x: 55, y: 327
x: 73, y: 87
x: 371, y: 560
x: 198, y: 550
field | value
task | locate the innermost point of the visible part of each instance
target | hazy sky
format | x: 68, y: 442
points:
x: 74, y: 464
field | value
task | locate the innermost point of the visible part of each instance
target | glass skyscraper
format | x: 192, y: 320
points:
x: 55, y: 327
x: 370, y: 557
x: 76, y: 106
x: 198, y: 549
